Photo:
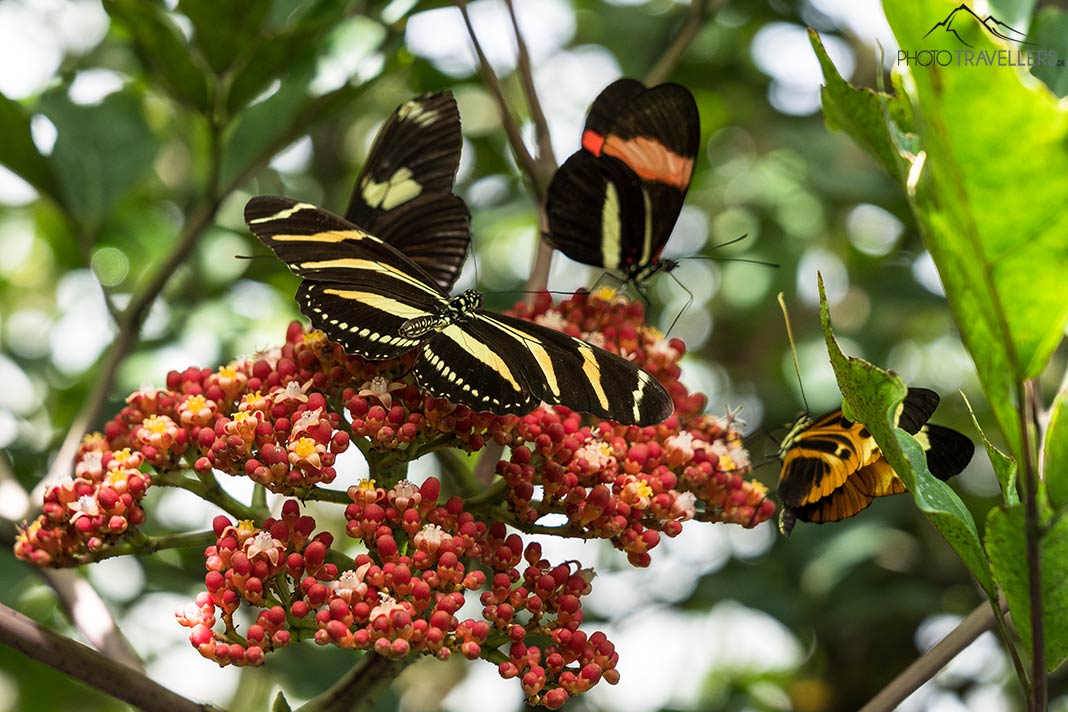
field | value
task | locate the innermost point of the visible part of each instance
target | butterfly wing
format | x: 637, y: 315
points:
x: 520, y: 364
x: 614, y: 203
x: 355, y: 288
x: 656, y: 134
x: 404, y: 192
x: 832, y: 469
x: 600, y: 213
x: 820, y: 457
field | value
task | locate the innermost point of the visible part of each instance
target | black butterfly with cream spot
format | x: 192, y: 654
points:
x: 404, y: 194
x: 833, y: 469
x: 378, y: 304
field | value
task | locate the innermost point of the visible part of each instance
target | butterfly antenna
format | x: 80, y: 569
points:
x: 733, y: 259
x: 793, y: 348
x: 689, y: 301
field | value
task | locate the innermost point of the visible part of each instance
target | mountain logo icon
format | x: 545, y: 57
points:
x: 963, y: 14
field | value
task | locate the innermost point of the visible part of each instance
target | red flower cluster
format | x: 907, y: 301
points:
x: 90, y: 512
x: 628, y: 484
x: 398, y: 603
x: 282, y: 417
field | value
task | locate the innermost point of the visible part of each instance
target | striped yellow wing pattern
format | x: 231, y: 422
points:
x: 376, y: 303
x: 833, y: 469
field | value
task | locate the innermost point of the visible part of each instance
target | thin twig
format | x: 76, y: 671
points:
x: 927, y: 665
x: 700, y: 11
x: 1039, y: 686
x: 545, y: 162
x: 85, y: 664
x: 511, y: 127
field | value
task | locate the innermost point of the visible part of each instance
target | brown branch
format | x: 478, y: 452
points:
x: 545, y: 163
x: 357, y: 690
x: 511, y: 127
x: 700, y: 11
x: 90, y: 615
x: 927, y: 665
x: 90, y: 667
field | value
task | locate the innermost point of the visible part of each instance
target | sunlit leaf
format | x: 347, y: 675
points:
x: 872, y: 396
x: 1055, y: 452
x: 994, y: 224
x: 1006, y: 545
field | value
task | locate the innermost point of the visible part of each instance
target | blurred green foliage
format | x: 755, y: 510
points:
x: 209, y: 93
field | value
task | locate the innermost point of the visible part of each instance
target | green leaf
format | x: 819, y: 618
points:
x: 1050, y: 33
x: 163, y: 50
x: 281, y: 704
x: 1055, y: 452
x: 1004, y: 466
x: 872, y: 396
x: 100, y: 152
x: 1006, y: 545
x: 993, y: 222
x: 273, y: 53
x: 861, y: 113
x: 223, y: 30
x: 19, y: 154
x: 1016, y: 13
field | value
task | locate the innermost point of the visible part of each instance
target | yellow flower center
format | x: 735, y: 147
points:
x: 304, y: 447
x: 644, y: 490
x: 157, y: 424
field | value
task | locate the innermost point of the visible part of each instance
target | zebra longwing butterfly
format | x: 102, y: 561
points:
x: 404, y: 194
x: 832, y: 468
x: 613, y: 203
x: 378, y: 304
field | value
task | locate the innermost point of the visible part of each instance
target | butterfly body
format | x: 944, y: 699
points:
x: 614, y: 203
x: 832, y: 467
x: 369, y: 297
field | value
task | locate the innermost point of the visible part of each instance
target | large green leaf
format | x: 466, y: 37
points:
x: 1006, y: 545
x: 100, y: 152
x: 872, y: 396
x: 19, y: 154
x: 1055, y: 452
x: 163, y: 50
x: 1050, y: 33
x: 992, y: 217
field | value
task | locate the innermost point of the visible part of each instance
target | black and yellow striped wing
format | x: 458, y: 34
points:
x: 371, y: 299
x: 404, y: 194
x: 832, y: 468
x: 614, y: 203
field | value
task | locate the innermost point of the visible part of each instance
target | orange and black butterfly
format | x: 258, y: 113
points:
x: 613, y: 203
x: 833, y: 469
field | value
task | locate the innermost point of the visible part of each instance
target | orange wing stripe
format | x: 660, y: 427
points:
x: 650, y: 159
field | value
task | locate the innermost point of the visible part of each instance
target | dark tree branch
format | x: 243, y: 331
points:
x: 90, y: 667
